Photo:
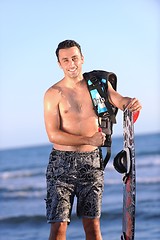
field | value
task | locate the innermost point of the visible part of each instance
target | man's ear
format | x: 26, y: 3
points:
x: 82, y: 59
x: 59, y: 64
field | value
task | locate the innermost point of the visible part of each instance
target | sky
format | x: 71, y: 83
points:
x: 115, y: 35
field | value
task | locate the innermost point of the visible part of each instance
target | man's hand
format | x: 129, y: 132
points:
x: 133, y: 105
x: 98, y: 138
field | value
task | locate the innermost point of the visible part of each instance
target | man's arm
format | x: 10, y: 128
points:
x: 121, y: 102
x: 52, y: 122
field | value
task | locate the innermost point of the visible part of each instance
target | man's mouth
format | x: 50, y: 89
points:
x: 72, y: 70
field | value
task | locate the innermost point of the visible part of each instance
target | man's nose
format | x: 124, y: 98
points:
x: 71, y: 63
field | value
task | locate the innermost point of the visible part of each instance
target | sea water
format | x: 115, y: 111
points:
x: 23, y: 189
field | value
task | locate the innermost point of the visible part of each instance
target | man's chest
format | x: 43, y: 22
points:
x: 76, y: 103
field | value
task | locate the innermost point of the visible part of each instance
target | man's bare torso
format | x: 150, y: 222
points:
x: 76, y: 113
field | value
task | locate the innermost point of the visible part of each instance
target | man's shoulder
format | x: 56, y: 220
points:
x: 55, y: 88
x: 54, y: 92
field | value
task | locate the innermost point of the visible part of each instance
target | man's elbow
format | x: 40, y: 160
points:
x: 52, y: 137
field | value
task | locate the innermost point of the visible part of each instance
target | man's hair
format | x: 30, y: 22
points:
x: 67, y: 44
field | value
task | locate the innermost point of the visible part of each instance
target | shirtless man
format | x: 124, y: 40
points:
x: 75, y: 165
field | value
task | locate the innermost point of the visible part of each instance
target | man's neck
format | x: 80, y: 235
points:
x: 74, y: 82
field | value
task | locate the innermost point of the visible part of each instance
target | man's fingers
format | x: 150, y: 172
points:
x: 99, y: 129
x: 134, y: 105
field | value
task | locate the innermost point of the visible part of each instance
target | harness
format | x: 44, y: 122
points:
x: 97, y: 82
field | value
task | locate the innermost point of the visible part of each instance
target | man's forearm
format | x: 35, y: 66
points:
x: 64, y: 138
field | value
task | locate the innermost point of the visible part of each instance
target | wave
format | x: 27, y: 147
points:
x: 22, y: 194
x: 147, y: 152
x: 144, y: 181
x: 149, y: 161
x: 22, y: 219
x: 40, y: 193
x: 109, y: 215
x: 148, y: 180
x: 40, y: 172
x: 141, y: 151
x: 140, y: 162
x: 27, y: 190
x: 22, y: 173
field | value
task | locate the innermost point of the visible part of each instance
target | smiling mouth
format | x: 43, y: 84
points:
x: 72, y: 70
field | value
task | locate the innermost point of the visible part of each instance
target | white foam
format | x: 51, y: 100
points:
x: 20, y: 173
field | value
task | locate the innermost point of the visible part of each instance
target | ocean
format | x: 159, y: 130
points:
x: 23, y: 189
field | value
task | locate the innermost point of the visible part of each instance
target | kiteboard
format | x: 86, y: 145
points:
x: 124, y: 163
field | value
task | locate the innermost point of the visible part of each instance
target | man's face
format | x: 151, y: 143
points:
x: 71, y: 60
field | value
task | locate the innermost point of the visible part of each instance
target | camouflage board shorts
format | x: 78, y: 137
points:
x: 71, y: 174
